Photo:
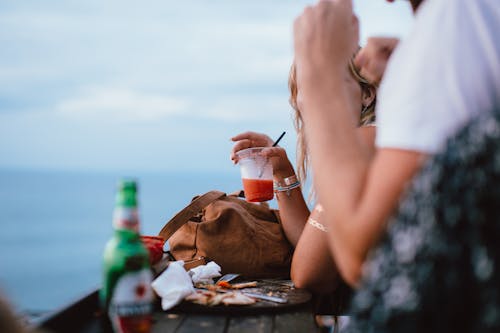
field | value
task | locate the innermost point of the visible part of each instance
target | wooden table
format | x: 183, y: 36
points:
x: 294, y: 321
x: 82, y: 317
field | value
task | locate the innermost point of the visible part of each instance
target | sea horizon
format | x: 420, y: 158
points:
x: 56, y: 222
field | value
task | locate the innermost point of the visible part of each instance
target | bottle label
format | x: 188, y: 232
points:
x: 126, y: 218
x: 131, y: 306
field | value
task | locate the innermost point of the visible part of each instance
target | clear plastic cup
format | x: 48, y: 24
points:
x: 256, y: 174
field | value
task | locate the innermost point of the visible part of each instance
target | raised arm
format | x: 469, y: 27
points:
x: 325, y: 36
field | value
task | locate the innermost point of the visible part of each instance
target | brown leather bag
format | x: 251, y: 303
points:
x: 241, y: 237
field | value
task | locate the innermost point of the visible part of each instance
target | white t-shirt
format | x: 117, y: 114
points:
x: 444, y: 73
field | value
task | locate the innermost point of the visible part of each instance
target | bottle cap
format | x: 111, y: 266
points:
x: 127, y: 193
x: 127, y: 184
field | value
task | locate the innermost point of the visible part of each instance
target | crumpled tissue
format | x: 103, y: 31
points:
x: 205, y: 273
x: 173, y: 285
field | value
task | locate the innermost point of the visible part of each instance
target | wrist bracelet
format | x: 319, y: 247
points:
x: 290, y: 183
x: 286, y: 181
x: 290, y: 180
x: 286, y: 188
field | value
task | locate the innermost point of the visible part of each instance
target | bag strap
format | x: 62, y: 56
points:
x: 237, y: 194
x: 188, y: 212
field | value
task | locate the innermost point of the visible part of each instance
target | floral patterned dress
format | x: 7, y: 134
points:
x: 438, y: 267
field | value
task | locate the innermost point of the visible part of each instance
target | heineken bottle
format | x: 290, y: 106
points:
x: 126, y: 295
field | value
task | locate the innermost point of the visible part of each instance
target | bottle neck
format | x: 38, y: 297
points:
x: 127, y: 235
x: 126, y: 218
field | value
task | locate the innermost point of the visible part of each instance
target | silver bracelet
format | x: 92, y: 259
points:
x: 291, y: 180
x: 290, y: 183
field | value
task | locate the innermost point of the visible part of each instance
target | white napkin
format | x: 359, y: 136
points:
x: 173, y: 285
x: 205, y: 273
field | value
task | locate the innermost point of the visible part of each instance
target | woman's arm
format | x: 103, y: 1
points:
x: 293, y: 212
x: 313, y: 266
x: 292, y: 206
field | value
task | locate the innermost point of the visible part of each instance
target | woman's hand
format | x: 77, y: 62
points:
x: 277, y: 155
x: 248, y: 140
x: 374, y: 56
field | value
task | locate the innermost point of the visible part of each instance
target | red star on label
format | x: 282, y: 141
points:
x: 140, y: 290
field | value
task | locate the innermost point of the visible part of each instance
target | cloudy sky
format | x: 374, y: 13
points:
x: 153, y: 84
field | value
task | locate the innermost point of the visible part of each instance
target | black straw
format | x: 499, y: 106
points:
x: 278, y: 140
x: 274, y: 145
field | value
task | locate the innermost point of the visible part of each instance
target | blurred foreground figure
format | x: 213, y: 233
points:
x: 8, y: 321
x: 438, y: 269
x: 443, y: 75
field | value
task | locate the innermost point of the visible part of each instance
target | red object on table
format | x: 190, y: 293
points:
x: 154, y: 244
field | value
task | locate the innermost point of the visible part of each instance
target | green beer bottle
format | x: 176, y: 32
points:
x: 126, y: 295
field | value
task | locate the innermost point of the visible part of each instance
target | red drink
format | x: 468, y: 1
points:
x: 257, y: 190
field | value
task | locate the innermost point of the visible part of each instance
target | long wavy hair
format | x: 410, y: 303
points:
x: 367, y: 116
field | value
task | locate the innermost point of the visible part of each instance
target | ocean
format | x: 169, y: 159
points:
x: 54, y: 226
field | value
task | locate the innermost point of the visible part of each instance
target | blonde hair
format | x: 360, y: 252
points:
x: 367, y: 116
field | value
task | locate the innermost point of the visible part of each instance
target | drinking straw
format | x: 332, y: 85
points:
x: 274, y: 145
x: 278, y: 139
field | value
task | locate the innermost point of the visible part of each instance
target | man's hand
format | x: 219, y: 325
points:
x: 325, y: 38
x: 372, y: 59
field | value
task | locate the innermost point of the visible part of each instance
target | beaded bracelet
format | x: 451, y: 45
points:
x: 290, y: 183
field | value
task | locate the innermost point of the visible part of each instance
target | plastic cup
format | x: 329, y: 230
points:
x: 256, y: 174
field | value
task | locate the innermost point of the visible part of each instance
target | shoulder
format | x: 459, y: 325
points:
x: 445, y: 72
x: 460, y: 12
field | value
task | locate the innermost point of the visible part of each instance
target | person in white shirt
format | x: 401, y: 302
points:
x: 451, y: 66
x: 446, y: 72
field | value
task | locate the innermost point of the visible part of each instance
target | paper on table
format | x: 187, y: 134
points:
x: 173, y: 285
x: 205, y: 273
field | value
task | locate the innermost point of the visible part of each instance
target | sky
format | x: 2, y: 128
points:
x: 152, y: 85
